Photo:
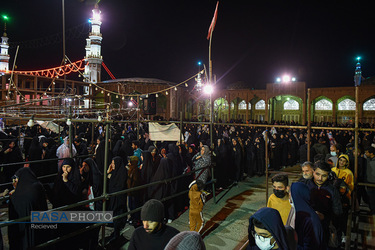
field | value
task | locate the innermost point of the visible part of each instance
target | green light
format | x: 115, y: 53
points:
x: 5, y: 17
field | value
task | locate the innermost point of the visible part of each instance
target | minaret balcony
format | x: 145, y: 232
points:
x: 95, y: 34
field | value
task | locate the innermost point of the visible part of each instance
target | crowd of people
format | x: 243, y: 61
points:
x: 236, y: 153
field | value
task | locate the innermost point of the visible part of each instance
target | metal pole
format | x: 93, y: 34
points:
x: 92, y: 132
x: 354, y: 194
x: 70, y: 133
x: 137, y: 117
x: 308, y: 125
x: 266, y: 155
x: 181, y: 125
x: 64, y: 48
x: 105, y: 176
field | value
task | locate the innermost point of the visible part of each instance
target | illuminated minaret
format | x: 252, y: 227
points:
x: 358, y: 73
x: 4, y: 55
x: 93, y: 49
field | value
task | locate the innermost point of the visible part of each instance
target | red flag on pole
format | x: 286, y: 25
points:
x: 212, y: 26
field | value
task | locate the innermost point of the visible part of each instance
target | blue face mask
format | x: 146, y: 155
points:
x: 263, y: 243
x: 333, y: 153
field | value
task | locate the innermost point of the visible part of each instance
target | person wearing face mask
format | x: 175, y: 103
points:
x: 266, y: 231
x: 333, y: 155
x: 279, y: 200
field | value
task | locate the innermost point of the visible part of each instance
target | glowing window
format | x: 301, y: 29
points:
x: 346, y: 104
x: 369, y: 104
x: 242, y: 105
x: 231, y: 105
x: 249, y: 105
x: 220, y: 103
x: 291, y: 105
x: 260, y: 105
x: 323, y: 104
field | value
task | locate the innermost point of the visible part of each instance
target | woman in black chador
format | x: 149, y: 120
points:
x: 35, y: 154
x: 91, y: 182
x: 66, y: 191
x: 11, y: 154
x: 162, y: 190
x: 28, y: 196
x: 275, y: 152
x: 147, y: 171
x: 117, y: 175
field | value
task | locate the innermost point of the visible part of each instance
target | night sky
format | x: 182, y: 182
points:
x: 253, y: 42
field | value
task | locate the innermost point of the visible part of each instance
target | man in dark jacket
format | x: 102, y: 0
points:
x: 320, y: 147
x: 154, y: 234
x: 325, y: 198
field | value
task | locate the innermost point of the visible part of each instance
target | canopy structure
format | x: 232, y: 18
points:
x: 50, y: 125
x: 164, y: 132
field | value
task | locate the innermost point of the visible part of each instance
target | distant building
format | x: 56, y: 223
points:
x: 281, y: 101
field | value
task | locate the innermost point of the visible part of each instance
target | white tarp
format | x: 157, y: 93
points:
x: 159, y: 132
x: 51, y: 125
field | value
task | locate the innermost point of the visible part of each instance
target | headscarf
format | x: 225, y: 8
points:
x: 271, y: 220
x: 29, y: 196
x: 117, y: 182
x: 303, y: 213
x: 163, y: 172
x: 95, y: 177
x: 147, y: 170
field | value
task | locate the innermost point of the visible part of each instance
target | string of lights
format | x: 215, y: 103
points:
x: 123, y: 96
x: 57, y: 71
x: 78, y: 66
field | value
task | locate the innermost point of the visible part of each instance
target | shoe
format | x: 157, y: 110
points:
x: 205, y: 192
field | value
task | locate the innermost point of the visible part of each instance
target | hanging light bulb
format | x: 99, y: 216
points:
x: 53, y: 83
x: 186, y: 85
x: 30, y: 123
x: 96, y: 88
x: 175, y: 88
x: 116, y: 96
x: 68, y: 122
x: 102, y: 91
x: 157, y: 95
x: 131, y: 98
x: 123, y: 98
x: 166, y: 92
x: 99, y: 118
x: 146, y: 95
x: 108, y: 94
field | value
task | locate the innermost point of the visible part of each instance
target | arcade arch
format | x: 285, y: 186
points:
x: 346, y: 109
x: 322, y: 109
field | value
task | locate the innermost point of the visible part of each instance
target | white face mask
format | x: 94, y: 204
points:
x: 264, y: 243
x: 333, y: 153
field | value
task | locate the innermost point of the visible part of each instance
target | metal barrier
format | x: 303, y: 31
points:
x: 103, y: 198
x: 356, y: 129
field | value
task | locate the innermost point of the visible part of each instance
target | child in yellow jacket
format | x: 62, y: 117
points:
x: 197, y: 200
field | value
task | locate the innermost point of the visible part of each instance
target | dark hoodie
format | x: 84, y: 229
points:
x: 272, y: 222
x: 307, y: 223
x: 29, y: 196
